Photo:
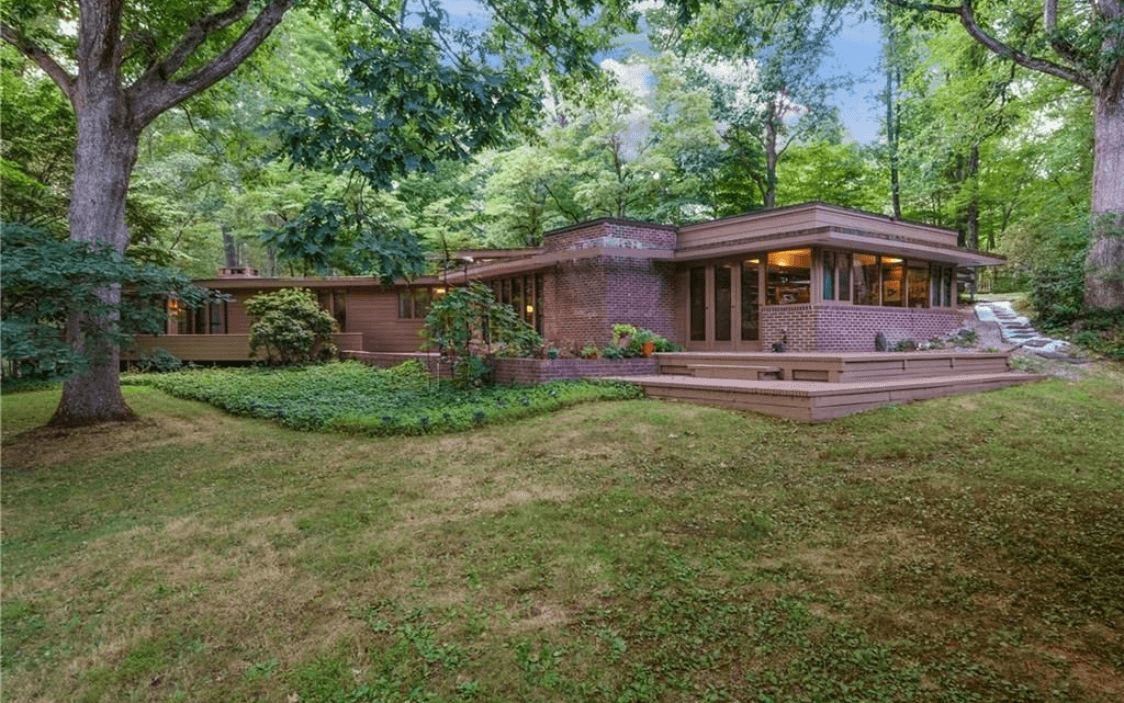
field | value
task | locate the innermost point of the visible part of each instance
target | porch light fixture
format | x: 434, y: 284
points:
x: 530, y: 309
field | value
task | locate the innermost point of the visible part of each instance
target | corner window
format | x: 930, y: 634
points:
x: 867, y: 280
x: 789, y: 277
x: 828, y: 275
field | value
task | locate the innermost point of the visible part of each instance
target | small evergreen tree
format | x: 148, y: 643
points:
x: 291, y: 327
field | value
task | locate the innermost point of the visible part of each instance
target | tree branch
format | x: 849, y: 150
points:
x: 151, y: 97
x: 1066, y: 50
x: 192, y: 39
x: 968, y: 19
x: 45, y: 61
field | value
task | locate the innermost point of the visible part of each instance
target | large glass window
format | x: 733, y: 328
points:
x: 828, y: 266
x: 697, y: 295
x: 867, y: 282
x: 789, y: 277
x: 422, y: 301
x: 413, y: 303
x: 217, y: 320
x: 750, y: 287
x: 843, y: 266
x: 893, y: 281
x: 918, y: 286
x: 538, y: 303
x: 948, y: 296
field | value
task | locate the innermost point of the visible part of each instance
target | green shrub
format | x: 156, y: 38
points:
x: 631, y: 339
x: 467, y: 325
x: 611, y: 351
x: 1057, y: 291
x: 159, y: 361
x: 291, y: 327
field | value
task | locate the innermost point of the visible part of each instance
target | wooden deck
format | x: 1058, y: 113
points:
x: 819, y: 387
x: 841, y: 367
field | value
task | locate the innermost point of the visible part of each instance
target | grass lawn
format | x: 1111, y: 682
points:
x: 968, y: 548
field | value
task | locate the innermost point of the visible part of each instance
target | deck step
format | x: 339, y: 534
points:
x: 748, y: 372
x: 812, y: 401
x: 840, y: 367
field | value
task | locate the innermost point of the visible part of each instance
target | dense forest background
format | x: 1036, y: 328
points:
x: 683, y: 123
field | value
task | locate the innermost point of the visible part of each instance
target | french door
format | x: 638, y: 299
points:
x: 723, y: 305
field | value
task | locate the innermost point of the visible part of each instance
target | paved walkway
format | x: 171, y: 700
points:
x: 1016, y: 329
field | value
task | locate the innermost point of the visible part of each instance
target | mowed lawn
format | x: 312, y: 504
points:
x: 963, y: 549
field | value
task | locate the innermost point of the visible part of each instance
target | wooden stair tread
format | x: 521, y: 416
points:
x: 817, y: 389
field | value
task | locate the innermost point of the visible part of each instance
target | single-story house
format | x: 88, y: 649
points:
x: 816, y: 277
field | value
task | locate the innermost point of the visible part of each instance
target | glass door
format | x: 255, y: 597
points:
x: 750, y: 298
x: 723, y: 301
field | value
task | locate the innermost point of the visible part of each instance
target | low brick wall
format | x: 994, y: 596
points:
x: 385, y: 360
x: 843, y: 328
x: 521, y: 371
x: 530, y: 371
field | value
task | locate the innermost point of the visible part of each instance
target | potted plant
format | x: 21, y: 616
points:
x: 644, y: 341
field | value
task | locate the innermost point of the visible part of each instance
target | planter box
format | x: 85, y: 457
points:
x: 530, y: 371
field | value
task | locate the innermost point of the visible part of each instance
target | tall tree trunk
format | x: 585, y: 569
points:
x: 972, y: 210
x: 893, y: 132
x: 893, y: 109
x: 104, y: 157
x: 1104, y: 265
x: 229, y: 248
x: 771, y: 120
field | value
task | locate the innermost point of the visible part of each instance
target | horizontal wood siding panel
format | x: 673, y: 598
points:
x: 213, y: 347
x: 374, y: 314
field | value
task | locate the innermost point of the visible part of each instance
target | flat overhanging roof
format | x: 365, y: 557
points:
x: 849, y: 240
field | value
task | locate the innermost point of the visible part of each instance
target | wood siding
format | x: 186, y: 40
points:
x: 374, y: 314
x: 213, y: 347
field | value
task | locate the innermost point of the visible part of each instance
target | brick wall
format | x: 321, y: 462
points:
x: 530, y: 371
x: 795, y: 325
x: 642, y: 292
x: 842, y: 328
x: 612, y: 233
x: 385, y: 360
x: 845, y: 328
x: 523, y: 371
x: 574, y: 302
x: 584, y: 298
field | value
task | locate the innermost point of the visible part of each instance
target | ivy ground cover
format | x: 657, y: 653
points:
x: 351, y: 397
